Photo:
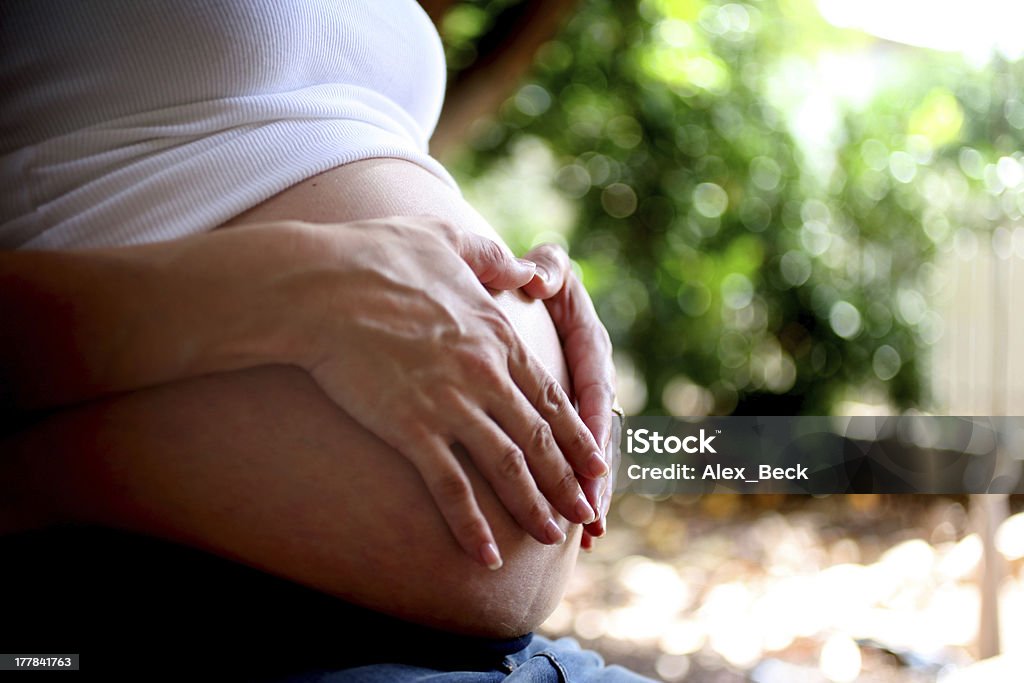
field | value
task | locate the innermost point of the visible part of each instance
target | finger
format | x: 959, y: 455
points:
x: 550, y: 461
x: 549, y: 400
x: 452, y: 492
x: 599, y: 526
x: 492, y: 265
x: 550, y: 469
x: 586, y: 541
x: 552, y: 270
x: 594, y: 490
x: 593, y: 377
x: 584, y: 339
x: 595, y: 397
x: 588, y: 353
x: 504, y: 466
x: 614, y: 456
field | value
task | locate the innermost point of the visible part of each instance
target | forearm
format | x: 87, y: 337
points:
x: 78, y: 325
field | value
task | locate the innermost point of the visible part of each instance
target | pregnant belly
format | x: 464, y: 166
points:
x: 377, y: 188
x: 526, y: 589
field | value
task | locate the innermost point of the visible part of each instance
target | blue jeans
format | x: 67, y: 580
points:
x: 542, y: 661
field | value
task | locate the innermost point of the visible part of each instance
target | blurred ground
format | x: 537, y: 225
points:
x: 782, y: 589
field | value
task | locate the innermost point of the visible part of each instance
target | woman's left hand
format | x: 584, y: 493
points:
x: 588, y: 352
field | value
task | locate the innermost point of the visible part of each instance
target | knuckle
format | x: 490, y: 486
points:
x: 538, y: 513
x: 568, y: 485
x: 453, y: 487
x: 408, y: 426
x: 478, y: 362
x: 443, y: 396
x: 512, y: 464
x: 550, y: 399
x: 559, y: 258
x: 490, y: 250
x: 541, y: 439
x: 602, y: 387
x: 508, y: 338
x: 490, y: 259
x: 607, y: 388
x: 517, y: 354
x: 581, y: 440
x: 551, y: 250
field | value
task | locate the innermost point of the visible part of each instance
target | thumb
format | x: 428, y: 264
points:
x: 494, y: 266
x: 553, y: 268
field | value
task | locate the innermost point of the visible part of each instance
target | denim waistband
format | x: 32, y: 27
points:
x: 118, y: 598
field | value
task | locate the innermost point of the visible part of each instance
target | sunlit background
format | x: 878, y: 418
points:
x: 780, y: 208
x: 771, y: 590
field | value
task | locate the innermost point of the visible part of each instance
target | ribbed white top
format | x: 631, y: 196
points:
x: 129, y: 121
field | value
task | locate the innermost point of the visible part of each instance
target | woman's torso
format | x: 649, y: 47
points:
x: 185, y: 145
x: 388, y: 187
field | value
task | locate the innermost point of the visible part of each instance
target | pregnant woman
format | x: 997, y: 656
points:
x: 248, y: 315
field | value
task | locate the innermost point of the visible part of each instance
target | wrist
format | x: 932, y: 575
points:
x: 270, y: 307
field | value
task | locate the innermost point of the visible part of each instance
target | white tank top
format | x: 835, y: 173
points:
x: 129, y: 121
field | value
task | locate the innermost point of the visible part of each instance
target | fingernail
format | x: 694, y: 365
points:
x: 542, y: 274
x: 526, y: 262
x: 596, y: 466
x: 554, y: 535
x: 489, y: 554
x: 583, y: 511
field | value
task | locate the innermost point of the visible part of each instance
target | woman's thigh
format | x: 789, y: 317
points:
x: 260, y: 467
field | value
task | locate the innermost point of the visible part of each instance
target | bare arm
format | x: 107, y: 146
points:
x: 89, y: 323
x: 81, y: 324
x: 390, y: 322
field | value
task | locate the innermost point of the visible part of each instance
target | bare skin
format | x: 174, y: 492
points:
x: 259, y: 465
x: 403, y: 188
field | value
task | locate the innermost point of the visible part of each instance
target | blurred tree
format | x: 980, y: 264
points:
x: 737, y: 269
x: 491, y: 49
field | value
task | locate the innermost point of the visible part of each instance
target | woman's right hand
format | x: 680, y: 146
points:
x: 395, y: 326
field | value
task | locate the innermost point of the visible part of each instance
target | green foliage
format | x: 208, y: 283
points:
x: 738, y: 269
